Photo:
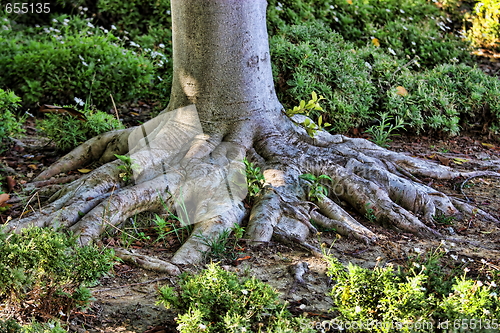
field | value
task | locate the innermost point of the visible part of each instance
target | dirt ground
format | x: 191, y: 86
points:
x: 125, y: 301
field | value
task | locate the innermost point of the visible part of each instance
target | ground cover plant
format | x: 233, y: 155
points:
x: 45, y: 274
x: 10, y: 125
x: 216, y: 300
x: 418, y: 296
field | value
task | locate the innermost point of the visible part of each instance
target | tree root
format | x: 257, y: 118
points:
x: 202, y: 177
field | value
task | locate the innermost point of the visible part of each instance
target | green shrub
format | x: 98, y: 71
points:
x: 218, y: 301
x: 406, y: 28
x: 68, y: 132
x: 445, y: 96
x: 71, y: 58
x: 11, y: 326
x: 9, y: 124
x: 412, y: 296
x: 311, y: 57
x: 45, y: 273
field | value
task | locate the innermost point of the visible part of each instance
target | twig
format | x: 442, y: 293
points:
x: 132, y: 284
x: 114, y: 105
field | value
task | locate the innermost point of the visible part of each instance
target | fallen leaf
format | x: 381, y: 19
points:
x: 443, y: 160
x: 488, y: 145
x: 33, y: 167
x: 244, y: 258
x: 3, y: 199
x: 457, y: 160
x: 349, y: 2
x: 11, y: 183
x: 84, y: 170
x: 401, y: 91
x: 376, y: 42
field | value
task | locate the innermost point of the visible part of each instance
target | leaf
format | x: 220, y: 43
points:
x: 57, y: 109
x: 443, y: 160
x: 11, y: 182
x: 4, y: 197
x: 401, y: 91
x: 488, y: 145
x: 308, y: 176
x: 376, y: 42
x: 349, y: 2
x: 314, y: 96
x: 33, y: 167
x: 457, y: 160
x: 84, y: 170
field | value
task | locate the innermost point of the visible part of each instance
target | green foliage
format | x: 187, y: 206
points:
x: 313, y: 58
x: 218, y: 301
x: 406, y: 28
x: 11, y: 326
x: 255, y: 178
x: 316, y: 189
x: 220, y: 246
x: 127, y: 167
x: 68, y: 132
x: 419, y: 292
x: 380, y: 133
x: 70, y: 58
x: 9, y: 124
x: 48, y: 270
x: 444, y: 97
x: 305, y: 109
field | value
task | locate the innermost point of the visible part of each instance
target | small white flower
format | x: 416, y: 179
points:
x: 244, y: 292
x: 417, y: 249
x: 480, y: 283
x: 416, y: 264
x: 357, y: 309
x: 85, y: 9
x: 454, y: 256
x: 483, y: 261
x: 463, y: 260
x: 202, y: 327
x: 493, y: 294
x: 492, y: 283
x: 470, y: 259
x: 486, y: 311
x: 81, y: 58
x: 54, y: 20
x: 66, y: 20
x: 332, y: 6
x: 79, y: 101
x: 405, y: 28
x: 466, y: 270
x: 161, y: 45
x: 132, y: 43
x: 391, y: 51
x: 401, y: 11
x: 388, y: 10
x: 367, y: 64
x: 90, y: 25
x: 410, y: 18
x: 159, y: 78
x: 415, y: 44
x: 84, y: 63
x: 113, y: 27
x: 336, y: 18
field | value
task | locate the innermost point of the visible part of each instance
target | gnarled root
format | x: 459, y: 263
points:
x: 202, y: 177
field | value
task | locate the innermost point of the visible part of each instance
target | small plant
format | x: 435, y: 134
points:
x: 255, y: 178
x: 370, y: 213
x: 442, y: 219
x: 68, y: 131
x: 218, y: 301
x: 9, y: 125
x: 220, y: 247
x: 127, y: 167
x: 45, y: 273
x: 380, y: 133
x: 316, y: 189
x: 305, y: 109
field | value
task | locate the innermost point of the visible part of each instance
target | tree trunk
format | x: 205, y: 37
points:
x: 223, y: 107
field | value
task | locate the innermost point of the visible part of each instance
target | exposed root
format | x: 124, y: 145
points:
x: 202, y: 178
x: 147, y: 262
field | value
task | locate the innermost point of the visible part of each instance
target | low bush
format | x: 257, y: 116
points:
x: 407, y: 28
x: 9, y: 123
x: 68, y: 132
x: 414, y: 295
x: 218, y: 301
x: 71, y: 58
x: 44, y: 274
